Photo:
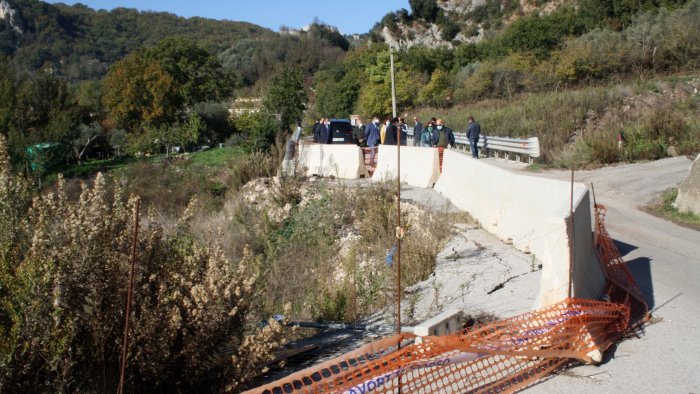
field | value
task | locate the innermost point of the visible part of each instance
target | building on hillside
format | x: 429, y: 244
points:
x: 245, y: 105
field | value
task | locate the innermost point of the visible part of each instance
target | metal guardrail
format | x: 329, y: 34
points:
x: 529, y: 147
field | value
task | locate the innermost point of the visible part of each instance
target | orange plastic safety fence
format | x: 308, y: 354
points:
x: 503, y: 356
x: 622, y: 284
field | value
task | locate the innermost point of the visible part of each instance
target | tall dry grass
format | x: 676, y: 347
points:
x: 63, y: 271
x: 327, y: 256
x: 554, y: 117
x: 580, y: 127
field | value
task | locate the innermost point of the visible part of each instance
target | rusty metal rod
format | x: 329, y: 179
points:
x: 125, y: 343
x: 398, y: 231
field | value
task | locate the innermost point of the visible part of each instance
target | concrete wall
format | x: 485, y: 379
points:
x: 341, y: 161
x: 532, y: 213
x: 420, y: 167
x: 448, y: 322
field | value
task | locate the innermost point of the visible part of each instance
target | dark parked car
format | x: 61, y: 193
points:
x: 340, y: 132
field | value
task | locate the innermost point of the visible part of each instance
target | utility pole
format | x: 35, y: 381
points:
x: 399, y: 230
x: 393, y: 84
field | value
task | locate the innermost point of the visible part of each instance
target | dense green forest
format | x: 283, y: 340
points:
x: 98, y: 84
x: 80, y: 43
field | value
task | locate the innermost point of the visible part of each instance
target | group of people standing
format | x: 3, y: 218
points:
x: 436, y: 134
x: 394, y: 130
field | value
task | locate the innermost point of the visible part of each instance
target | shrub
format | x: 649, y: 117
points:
x: 540, y: 35
x: 648, y: 135
x: 249, y: 167
x: 327, y: 257
x: 602, y: 147
x: 64, y: 269
x: 448, y: 28
x: 256, y: 131
x: 595, y: 56
x: 437, y: 92
x: 639, y: 147
x: 479, y: 84
x: 425, y: 9
x: 216, y: 118
x: 652, y: 134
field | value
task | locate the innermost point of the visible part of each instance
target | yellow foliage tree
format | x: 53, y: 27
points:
x: 137, y: 91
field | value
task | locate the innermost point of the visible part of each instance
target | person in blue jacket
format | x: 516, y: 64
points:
x: 372, y: 138
x: 426, y: 135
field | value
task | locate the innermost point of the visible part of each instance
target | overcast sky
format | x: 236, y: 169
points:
x: 351, y: 16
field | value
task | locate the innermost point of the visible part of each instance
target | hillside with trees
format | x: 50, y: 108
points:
x: 81, y: 57
x: 454, y: 22
x: 87, y: 83
x: 78, y: 43
x: 566, y: 50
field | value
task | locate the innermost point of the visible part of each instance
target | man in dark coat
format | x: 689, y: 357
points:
x: 358, y: 133
x: 324, y: 131
x: 417, y: 130
x: 473, y: 133
x: 392, y: 132
x: 442, y: 135
x: 317, y: 129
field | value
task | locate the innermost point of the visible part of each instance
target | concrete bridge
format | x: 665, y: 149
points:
x: 532, y: 213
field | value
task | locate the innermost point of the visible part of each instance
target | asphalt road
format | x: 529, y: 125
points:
x: 665, y: 260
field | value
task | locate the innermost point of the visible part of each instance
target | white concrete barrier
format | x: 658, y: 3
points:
x: 533, y: 214
x: 688, y: 198
x: 420, y: 167
x: 343, y: 161
x: 448, y: 322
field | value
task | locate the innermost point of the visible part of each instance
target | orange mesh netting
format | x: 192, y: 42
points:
x: 503, y: 356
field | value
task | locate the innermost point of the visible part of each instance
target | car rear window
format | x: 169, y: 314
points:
x: 342, y: 127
